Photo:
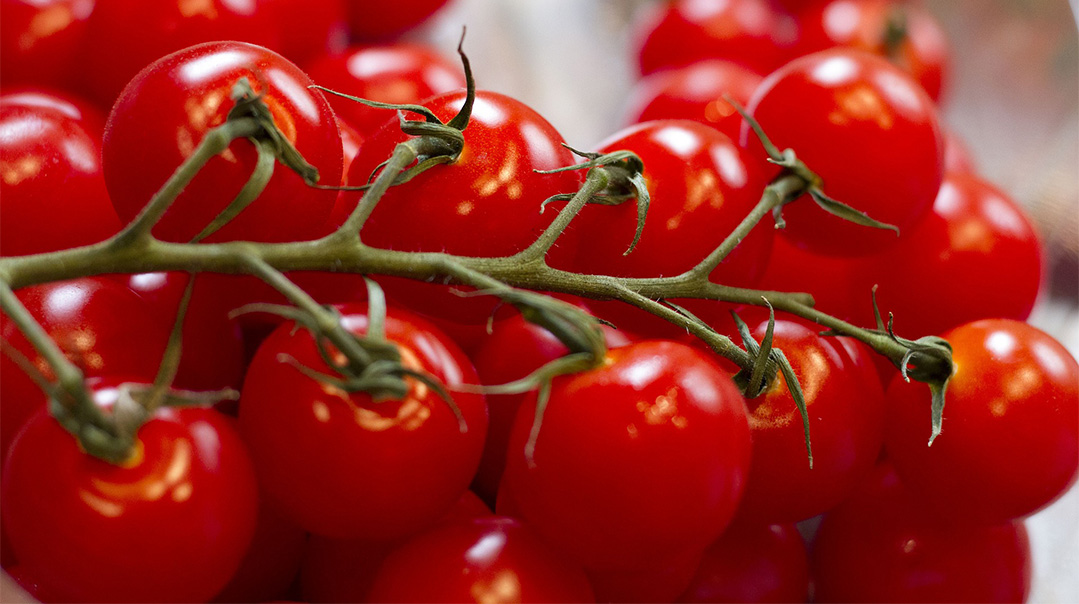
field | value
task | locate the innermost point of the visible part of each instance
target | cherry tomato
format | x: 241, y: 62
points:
x: 660, y: 582
x: 701, y: 187
x: 752, y: 563
x: 52, y: 192
x: 922, y: 50
x: 40, y: 39
x: 493, y: 188
x: 697, y: 92
x: 1010, y: 439
x: 640, y: 459
x: 100, y: 325
x: 315, y: 447
x: 272, y: 560
x: 869, y: 132
x: 880, y: 546
x: 310, y: 29
x: 113, y: 51
x: 845, y: 403
x: 377, y: 21
x: 391, y: 73
x: 175, y: 519
x: 482, y: 560
x: 681, y: 32
x: 974, y: 239
x: 171, y: 105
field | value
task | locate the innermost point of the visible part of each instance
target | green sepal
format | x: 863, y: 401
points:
x: 799, y: 398
x: 842, y: 210
x: 255, y: 185
x: 427, y: 114
x: 249, y: 104
x: 937, y: 389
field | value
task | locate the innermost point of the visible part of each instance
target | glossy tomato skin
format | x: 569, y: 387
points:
x: 871, y: 134
x: 177, y: 518
x: 310, y: 29
x: 750, y: 32
x: 171, y: 105
x: 314, y: 446
x: 642, y: 458
x: 701, y: 186
x: 33, y: 54
x: 1010, y: 439
x: 845, y: 403
x: 53, y: 192
x: 864, y: 24
x: 974, y: 239
x: 881, y: 546
x: 478, y: 561
x: 399, y: 73
x: 696, y: 92
x: 752, y: 563
x: 377, y: 21
x: 113, y: 52
x: 448, y: 206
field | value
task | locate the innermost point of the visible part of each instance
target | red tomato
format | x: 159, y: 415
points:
x: 272, y: 560
x: 681, y: 32
x: 100, y: 325
x: 864, y: 24
x: 52, y: 193
x: 39, y: 39
x: 390, y: 73
x: 846, y: 412
x: 879, y: 546
x: 697, y: 92
x: 378, y: 21
x: 869, y: 132
x: 1010, y: 439
x: 491, y: 189
x: 752, y: 563
x: 171, y: 105
x: 701, y: 187
x: 178, y: 515
x: 315, y: 446
x: 640, y: 459
x: 310, y: 29
x: 482, y: 560
x: 113, y: 51
x: 974, y: 239
x: 661, y: 582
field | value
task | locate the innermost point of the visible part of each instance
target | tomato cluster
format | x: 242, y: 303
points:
x: 650, y: 476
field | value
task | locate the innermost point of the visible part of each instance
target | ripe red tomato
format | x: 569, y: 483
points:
x: 272, y: 560
x: 377, y: 21
x: 701, y: 187
x: 171, y: 105
x: 390, y: 73
x: 52, y: 193
x: 346, y: 466
x: 176, y: 518
x: 113, y: 51
x: 482, y: 560
x: 678, y: 33
x: 752, y: 563
x: 880, y: 546
x: 846, y: 412
x: 661, y: 582
x: 697, y: 92
x: 39, y: 39
x: 1010, y: 440
x: 864, y: 24
x: 974, y: 239
x: 637, y: 460
x: 869, y: 132
x: 310, y: 29
x: 491, y: 189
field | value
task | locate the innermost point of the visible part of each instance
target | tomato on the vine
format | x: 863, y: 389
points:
x: 867, y: 130
x: 176, y: 518
x: 171, y: 105
x: 641, y: 458
x: 1009, y: 443
x: 348, y: 466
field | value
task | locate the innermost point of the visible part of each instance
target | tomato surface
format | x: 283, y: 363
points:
x: 379, y: 21
x: 173, y: 103
x: 347, y: 466
x: 310, y: 29
x: 752, y: 563
x: 31, y: 53
x: 272, y: 560
x: 174, y: 520
x: 52, y: 193
x: 880, y: 546
x: 867, y: 130
x: 637, y: 460
x: 1009, y: 443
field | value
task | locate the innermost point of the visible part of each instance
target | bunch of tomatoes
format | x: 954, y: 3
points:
x: 650, y: 476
